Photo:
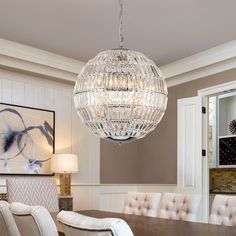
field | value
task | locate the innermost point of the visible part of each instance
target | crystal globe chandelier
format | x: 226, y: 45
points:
x: 120, y: 94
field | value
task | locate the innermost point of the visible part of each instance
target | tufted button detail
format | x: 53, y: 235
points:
x: 180, y: 206
x: 142, y: 204
x: 222, y: 212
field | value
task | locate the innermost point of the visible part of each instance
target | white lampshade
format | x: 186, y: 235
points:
x: 64, y: 163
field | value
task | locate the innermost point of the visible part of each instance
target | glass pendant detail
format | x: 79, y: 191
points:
x: 120, y: 95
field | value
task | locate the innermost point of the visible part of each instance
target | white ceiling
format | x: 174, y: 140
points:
x: 165, y: 30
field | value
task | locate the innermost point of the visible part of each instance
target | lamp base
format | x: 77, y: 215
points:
x: 65, y: 184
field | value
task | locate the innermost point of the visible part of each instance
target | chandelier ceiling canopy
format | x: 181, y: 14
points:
x: 120, y: 94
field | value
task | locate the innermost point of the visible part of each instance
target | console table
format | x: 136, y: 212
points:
x: 66, y: 203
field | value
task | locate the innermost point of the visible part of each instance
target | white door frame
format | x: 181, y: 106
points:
x: 204, y: 94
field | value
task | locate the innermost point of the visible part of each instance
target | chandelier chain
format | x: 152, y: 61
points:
x: 121, y: 37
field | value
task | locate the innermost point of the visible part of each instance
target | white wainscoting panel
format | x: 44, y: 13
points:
x: 86, y: 197
x: 110, y: 197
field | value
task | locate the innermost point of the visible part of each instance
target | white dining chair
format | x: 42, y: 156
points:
x: 33, y: 191
x: 223, y: 211
x: 177, y: 206
x: 7, y: 224
x: 145, y: 204
x: 75, y: 224
x: 33, y: 220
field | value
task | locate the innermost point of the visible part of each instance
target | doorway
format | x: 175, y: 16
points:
x: 218, y: 101
x: 221, y: 144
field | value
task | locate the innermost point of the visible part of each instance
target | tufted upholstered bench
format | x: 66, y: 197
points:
x: 177, y: 206
x: 145, y: 204
x: 223, y: 211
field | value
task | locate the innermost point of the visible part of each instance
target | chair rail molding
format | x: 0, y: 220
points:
x: 107, y: 197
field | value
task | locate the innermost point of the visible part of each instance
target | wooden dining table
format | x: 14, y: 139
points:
x: 150, y: 226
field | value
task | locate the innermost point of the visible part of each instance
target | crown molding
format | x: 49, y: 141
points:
x: 202, y: 72
x: 19, y: 57
x: 33, y: 61
x: 212, y: 61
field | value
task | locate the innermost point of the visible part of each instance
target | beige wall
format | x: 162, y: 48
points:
x: 153, y: 160
x: 119, y: 163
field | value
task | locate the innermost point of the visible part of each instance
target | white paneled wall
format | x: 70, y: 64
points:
x: 71, y: 135
x: 112, y: 196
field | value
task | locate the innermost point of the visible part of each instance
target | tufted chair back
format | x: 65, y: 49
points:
x: 145, y: 204
x: 178, y: 206
x: 33, y: 191
x: 223, y: 211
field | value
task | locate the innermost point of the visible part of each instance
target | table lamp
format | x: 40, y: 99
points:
x: 64, y: 165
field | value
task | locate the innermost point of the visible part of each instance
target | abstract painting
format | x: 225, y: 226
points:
x: 27, y: 138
